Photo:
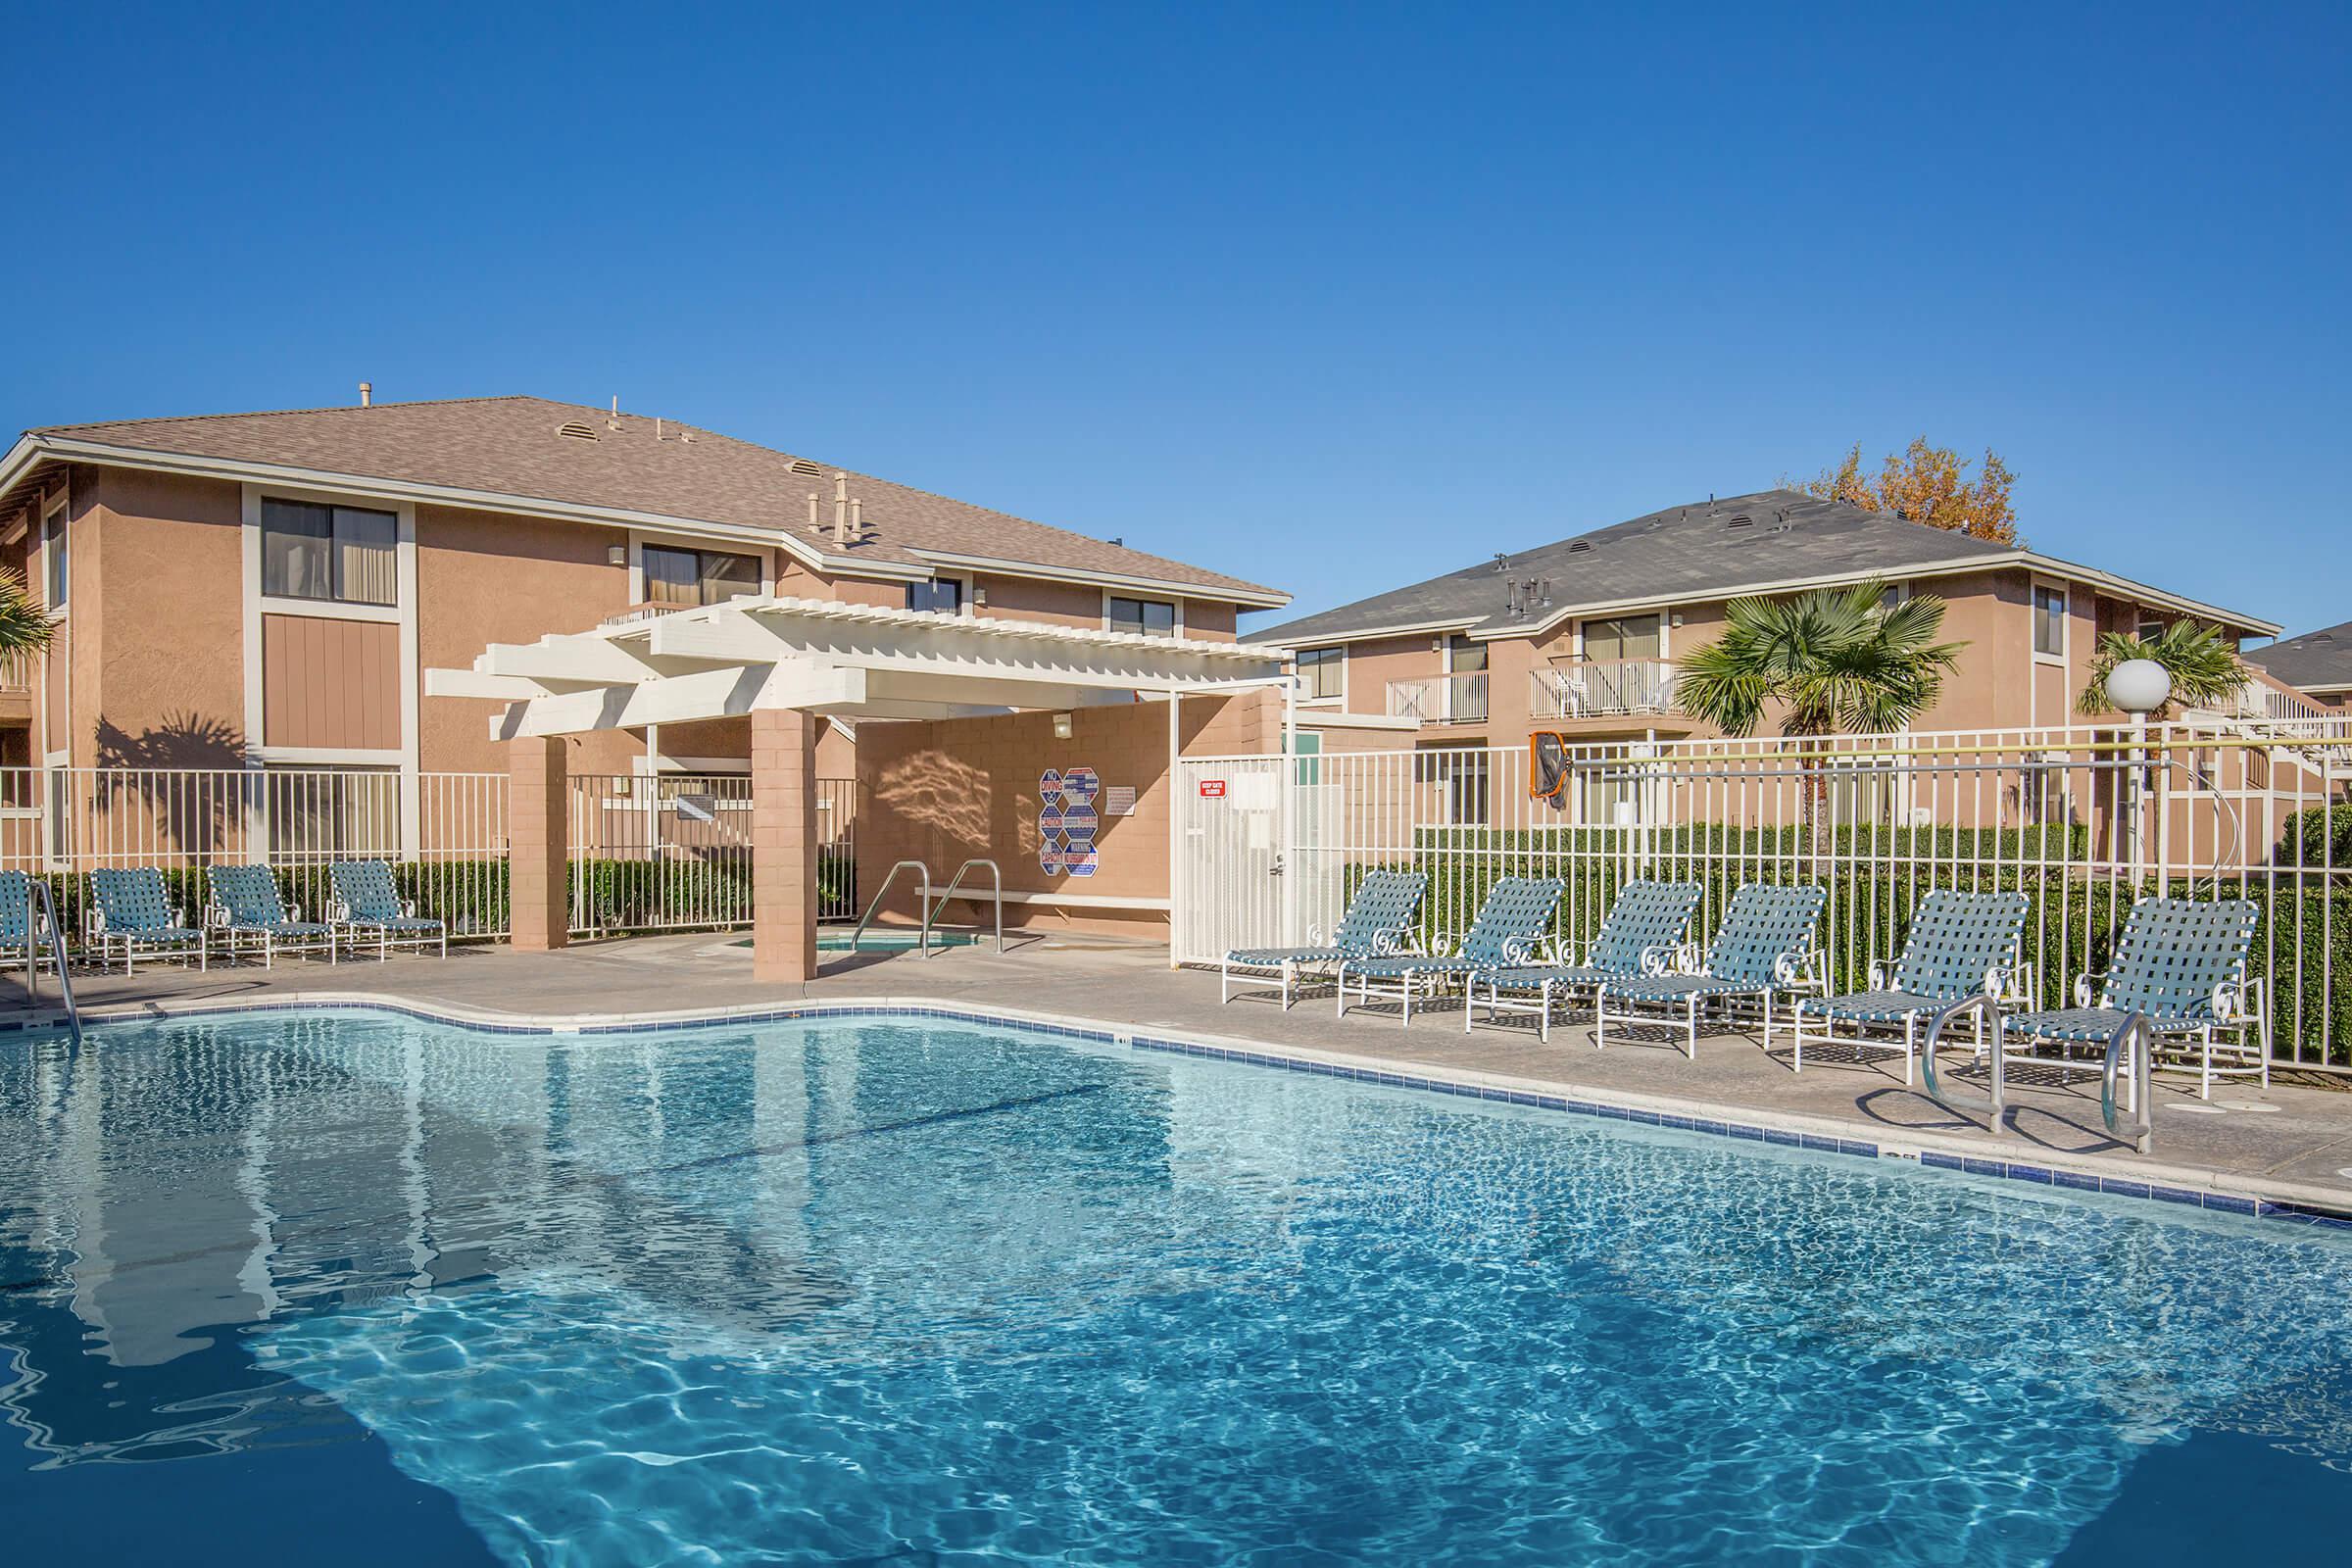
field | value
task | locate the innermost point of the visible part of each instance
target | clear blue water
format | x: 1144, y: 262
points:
x: 310, y: 1287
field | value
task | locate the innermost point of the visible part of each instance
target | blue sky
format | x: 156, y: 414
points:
x: 1331, y: 298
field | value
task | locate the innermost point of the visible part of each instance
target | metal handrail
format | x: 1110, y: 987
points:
x: 2141, y: 1135
x: 37, y: 891
x: 1997, y: 1102
x: 875, y: 907
x: 997, y: 897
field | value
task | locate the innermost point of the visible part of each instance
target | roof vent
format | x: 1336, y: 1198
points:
x: 813, y: 471
x: 576, y: 431
x: 1577, y: 547
x: 1740, y: 519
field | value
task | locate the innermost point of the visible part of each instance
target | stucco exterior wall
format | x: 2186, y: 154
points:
x: 947, y: 792
x: 158, y: 609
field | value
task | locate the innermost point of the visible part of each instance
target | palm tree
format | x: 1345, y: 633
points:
x: 1835, y: 661
x: 25, y: 626
x: 2202, y: 661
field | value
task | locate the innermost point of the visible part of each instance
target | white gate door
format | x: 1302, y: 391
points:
x: 1229, y: 891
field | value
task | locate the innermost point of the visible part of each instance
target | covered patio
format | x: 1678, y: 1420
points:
x: 789, y: 666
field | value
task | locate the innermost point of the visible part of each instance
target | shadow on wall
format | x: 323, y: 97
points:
x: 932, y: 792
x: 156, y: 804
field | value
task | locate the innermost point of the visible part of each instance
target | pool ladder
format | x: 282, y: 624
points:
x: 38, y: 894
x: 932, y: 901
x: 2131, y: 1051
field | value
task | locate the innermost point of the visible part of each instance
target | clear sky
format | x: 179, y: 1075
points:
x: 1331, y: 298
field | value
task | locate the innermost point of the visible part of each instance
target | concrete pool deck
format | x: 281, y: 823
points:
x: 2290, y: 1143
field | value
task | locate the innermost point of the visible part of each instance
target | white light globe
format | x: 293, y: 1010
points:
x: 2139, y: 686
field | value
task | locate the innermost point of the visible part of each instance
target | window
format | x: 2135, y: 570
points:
x: 1455, y: 786
x: 1895, y: 594
x: 1321, y: 672
x: 2049, y: 620
x: 943, y: 594
x: 346, y: 554
x: 697, y: 576
x: 2147, y: 631
x: 1624, y: 637
x: 1467, y: 691
x: 318, y: 811
x: 1148, y: 617
x: 53, y: 552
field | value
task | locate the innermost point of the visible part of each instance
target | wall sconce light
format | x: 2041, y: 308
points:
x: 1062, y: 726
x: 617, y: 555
x: 979, y: 597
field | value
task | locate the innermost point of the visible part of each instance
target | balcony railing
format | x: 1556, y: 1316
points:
x: 1594, y: 687
x: 16, y: 672
x: 1440, y: 698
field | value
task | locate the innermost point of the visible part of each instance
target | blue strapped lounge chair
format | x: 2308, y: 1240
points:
x: 1764, y: 946
x: 1960, y: 944
x: 18, y: 937
x: 1509, y: 926
x: 1644, y: 926
x: 367, y: 900
x: 1378, y: 921
x: 247, y: 908
x: 133, y: 914
x: 2180, y: 961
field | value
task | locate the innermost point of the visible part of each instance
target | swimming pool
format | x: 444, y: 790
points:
x: 350, y: 1287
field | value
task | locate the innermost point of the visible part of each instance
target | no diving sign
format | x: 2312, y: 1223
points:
x: 1212, y: 789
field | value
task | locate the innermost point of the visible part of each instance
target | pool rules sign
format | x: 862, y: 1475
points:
x: 1067, y: 821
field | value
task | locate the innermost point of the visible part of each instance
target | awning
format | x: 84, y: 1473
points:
x: 847, y: 660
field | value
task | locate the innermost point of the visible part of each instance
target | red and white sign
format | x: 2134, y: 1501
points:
x: 1212, y: 789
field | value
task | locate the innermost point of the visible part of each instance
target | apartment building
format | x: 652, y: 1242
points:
x: 1582, y: 636
x: 264, y: 591
x: 2318, y: 664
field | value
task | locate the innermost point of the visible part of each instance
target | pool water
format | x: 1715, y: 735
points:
x: 339, y: 1286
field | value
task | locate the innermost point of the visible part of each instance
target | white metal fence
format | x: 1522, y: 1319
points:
x: 672, y: 852
x: 2080, y: 819
x: 447, y: 836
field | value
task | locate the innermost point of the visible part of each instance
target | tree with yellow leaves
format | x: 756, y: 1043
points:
x: 1931, y: 485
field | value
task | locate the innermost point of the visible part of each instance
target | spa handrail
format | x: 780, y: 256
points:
x: 996, y: 898
x: 883, y: 890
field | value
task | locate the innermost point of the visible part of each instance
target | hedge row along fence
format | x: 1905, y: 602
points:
x: 2074, y: 912
x: 472, y: 895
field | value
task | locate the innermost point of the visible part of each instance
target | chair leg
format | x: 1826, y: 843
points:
x: 1407, y: 1021
x: 1224, y: 983
x: 1285, y: 984
x: 1692, y: 1050
x: 1911, y: 1042
x: 1544, y: 1017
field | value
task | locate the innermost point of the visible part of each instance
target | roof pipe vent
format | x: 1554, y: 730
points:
x: 841, y: 508
x: 367, y: 394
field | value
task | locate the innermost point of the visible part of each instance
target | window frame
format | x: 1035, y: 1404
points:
x: 1333, y: 657
x: 334, y: 561
x: 1174, y: 606
x: 57, y: 557
x: 2065, y: 597
x: 961, y: 585
x: 698, y: 552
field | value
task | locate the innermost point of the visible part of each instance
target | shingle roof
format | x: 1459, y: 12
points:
x: 2317, y: 661
x: 1700, y: 551
x: 510, y: 446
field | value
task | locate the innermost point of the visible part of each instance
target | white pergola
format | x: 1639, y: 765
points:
x: 772, y: 659
x: 822, y: 657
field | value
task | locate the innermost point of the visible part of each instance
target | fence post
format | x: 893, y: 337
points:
x: 784, y: 850
x: 538, y: 817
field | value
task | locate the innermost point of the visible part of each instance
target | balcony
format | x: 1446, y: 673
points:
x: 1595, y: 688
x: 1440, y: 698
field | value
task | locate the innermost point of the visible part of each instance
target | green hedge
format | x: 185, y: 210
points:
x: 2304, y: 931
x: 473, y: 897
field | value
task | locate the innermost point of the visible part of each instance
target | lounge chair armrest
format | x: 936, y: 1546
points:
x: 1659, y: 957
x: 1519, y: 952
x: 2087, y: 986
x: 1314, y: 935
x: 1688, y: 960
x: 2238, y: 1000
x: 407, y: 908
x: 1796, y: 971
x: 1881, y: 973
x: 1441, y: 944
x: 2012, y: 983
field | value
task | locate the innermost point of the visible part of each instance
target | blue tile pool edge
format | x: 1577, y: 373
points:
x: 1931, y: 1159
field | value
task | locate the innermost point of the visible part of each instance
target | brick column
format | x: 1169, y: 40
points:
x: 784, y: 845
x: 538, y: 838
